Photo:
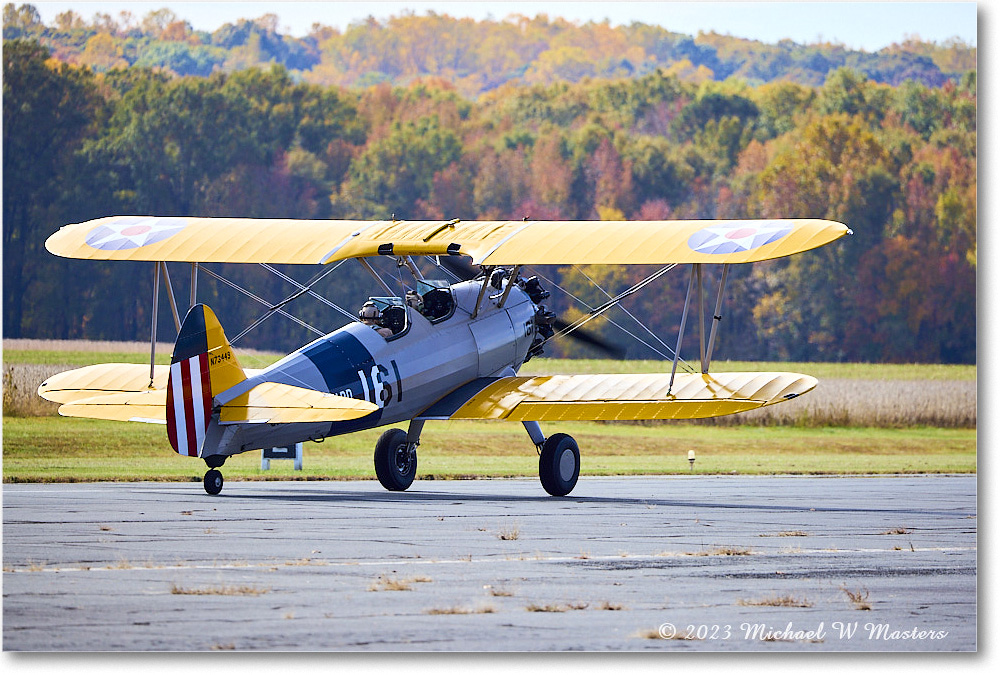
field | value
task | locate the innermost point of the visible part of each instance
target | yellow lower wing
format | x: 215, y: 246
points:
x: 629, y: 397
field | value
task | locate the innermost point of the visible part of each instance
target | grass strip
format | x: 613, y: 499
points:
x: 48, y: 449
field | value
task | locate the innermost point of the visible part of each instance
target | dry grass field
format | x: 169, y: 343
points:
x: 871, y: 403
x: 20, y: 386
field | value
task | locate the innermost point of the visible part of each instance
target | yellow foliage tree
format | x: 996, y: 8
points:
x: 103, y: 53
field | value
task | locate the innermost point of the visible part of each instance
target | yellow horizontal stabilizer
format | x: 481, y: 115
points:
x: 282, y: 403
x: 144, y: 406
x: 268, y: 402
x: 105, y: 378
x: 541, y: 242
x: 630, y: 397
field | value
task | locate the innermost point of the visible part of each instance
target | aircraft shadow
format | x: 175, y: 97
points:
x: 456, y: 499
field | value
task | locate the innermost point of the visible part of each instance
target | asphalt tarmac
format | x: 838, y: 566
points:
x: 730, y: 563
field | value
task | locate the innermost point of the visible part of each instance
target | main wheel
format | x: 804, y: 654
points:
x: 213, y: 482
x: 395, y: 463
x: 559, y: 464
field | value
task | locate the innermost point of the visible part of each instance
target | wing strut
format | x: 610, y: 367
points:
x: 152, y: 330
x: 371, y: 270
x: 158, y: 265
x: 701, y: 319
x: 194, y: 285
x: 680, y: 330
x: 482, y: 291
x: 706, y: 352
x: 170, y: 296
x: 510, y: 284
x: 706, y: 359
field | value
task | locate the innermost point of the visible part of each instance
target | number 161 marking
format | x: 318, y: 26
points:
x: 375, y: 387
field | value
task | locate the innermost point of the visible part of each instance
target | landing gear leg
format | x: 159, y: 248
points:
x: 396, y: 457
x: 534, y: 430
x: 213, y: 478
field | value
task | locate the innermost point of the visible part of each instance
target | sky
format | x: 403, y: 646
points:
x: 858, y: 25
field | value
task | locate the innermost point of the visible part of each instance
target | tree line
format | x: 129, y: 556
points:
x: 476, y: 56
x: 897, y: 163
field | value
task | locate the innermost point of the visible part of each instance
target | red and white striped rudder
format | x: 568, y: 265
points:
x: 203, y: 364
x: 189, y: 404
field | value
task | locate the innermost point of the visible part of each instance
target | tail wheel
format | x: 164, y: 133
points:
x: 395, y: 461
x: 213, y: 482
x: 559, y: 464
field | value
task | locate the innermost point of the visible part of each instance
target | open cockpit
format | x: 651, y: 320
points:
x: 390, y: 315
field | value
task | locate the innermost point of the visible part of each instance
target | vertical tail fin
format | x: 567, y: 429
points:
x: 203, y: 364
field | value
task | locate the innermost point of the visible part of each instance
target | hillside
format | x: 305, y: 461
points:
x: 475, y: 56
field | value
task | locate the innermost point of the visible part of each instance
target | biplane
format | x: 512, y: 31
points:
x: 445, y: 348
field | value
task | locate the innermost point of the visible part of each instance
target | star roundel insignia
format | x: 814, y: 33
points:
x: 737, y: 236
x: 133, y: 232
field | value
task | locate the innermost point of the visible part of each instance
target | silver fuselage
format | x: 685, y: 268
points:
x: 403, y: 375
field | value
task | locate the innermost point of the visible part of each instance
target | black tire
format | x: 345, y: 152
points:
x: 559, y: 464
x: 213, y: 482
x: 395, y: 465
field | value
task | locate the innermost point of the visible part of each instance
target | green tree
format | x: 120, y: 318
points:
x: 48, y: 110
x: 780, y: 104
x: 168, y: 140
x: 395, y: 172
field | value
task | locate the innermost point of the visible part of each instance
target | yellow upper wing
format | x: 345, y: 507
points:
x: 619, y: 397
x: 540, y: 242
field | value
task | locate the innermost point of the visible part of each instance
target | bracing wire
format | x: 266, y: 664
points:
x: 614, y: 323
x: 303, y: 289
x: 308, y: 287
x: 598, y: 311
x: 261, y: 301
x: 610, y: 320
x: 627, y: 313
